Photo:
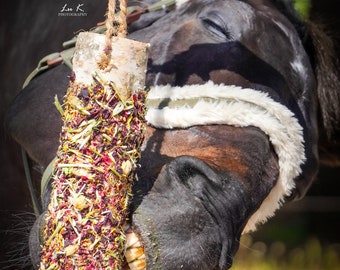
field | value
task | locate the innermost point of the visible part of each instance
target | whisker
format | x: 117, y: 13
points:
x: 15, y: 241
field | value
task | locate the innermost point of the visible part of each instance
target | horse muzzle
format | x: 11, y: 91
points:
x: 192, y: 217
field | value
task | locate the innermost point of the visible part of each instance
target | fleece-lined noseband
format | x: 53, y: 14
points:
x: 183, y: 107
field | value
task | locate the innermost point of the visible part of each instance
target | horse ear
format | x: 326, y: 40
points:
x: 326, y: 67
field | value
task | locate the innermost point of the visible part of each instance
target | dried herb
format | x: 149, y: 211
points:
x: 99, y: 151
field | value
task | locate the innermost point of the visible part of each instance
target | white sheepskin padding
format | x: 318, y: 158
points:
x: 240, y: 107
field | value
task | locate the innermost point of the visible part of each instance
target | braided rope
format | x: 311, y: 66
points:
x: 122, y: 30
x: 113, y: 30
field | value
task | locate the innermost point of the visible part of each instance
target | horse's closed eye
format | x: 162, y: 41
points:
x: 216, y: 25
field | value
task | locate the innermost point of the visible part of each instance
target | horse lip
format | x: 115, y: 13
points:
x: 143, y: 227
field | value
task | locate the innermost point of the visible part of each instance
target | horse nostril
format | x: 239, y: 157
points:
x: 184, y: 168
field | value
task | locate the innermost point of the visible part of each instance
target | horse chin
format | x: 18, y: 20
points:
x: 35, y: 240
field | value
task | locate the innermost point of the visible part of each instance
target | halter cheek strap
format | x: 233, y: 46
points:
x: 182, y: 107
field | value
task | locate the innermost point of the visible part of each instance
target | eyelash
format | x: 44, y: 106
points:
x: 216, y: 28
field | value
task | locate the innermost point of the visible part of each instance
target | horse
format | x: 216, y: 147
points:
x: 243, y: 107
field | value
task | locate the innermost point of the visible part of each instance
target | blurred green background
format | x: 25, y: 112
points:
x: 303, y: 7
x: 304, y: 235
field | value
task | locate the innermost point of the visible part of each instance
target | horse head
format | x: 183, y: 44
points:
x: 236, y: 90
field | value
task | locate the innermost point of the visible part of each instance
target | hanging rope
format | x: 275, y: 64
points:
x: 122, y: 30
x: 110, y: 20
x: 113, y: 30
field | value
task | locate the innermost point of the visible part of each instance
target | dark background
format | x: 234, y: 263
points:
x: 317, y: 215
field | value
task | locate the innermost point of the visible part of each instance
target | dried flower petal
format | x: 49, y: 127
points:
x: 80, y: 202
x: 70, y: 250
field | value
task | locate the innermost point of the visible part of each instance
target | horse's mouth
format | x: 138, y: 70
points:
x: 134, y: 254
